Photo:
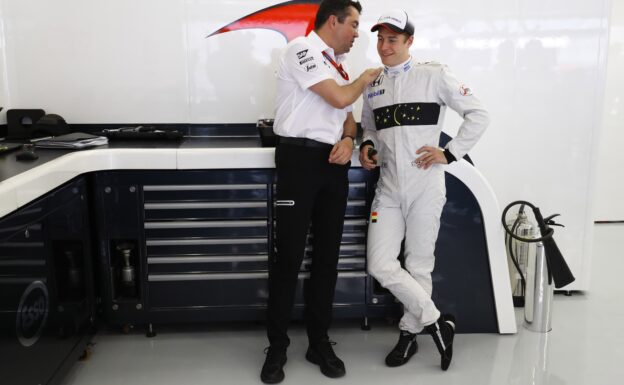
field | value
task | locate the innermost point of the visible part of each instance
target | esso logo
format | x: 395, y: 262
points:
x: 32, y: 313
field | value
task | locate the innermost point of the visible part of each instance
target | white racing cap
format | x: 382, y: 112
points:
x: 396, y: 20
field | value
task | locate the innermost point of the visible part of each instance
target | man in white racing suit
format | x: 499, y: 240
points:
x: 402, y: 118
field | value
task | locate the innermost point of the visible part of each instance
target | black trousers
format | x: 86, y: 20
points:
x: 309, y: 190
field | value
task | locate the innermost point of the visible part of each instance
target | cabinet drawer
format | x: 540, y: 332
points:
x: 180, y: 264
x: 344, y: 264
x: 357, y: 191
x: 346, y: 250
x: 206, y: 229
x: 204, y: 246
x: 207, y: 264
x: 356, y: 208
x: 208, y: 210
x: 207, y: 192
x: 238, y: 289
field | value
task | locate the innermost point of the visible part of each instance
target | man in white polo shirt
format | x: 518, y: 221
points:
x: 316, y: 128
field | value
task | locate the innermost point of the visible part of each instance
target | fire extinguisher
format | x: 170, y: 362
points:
x: 558, y: 270
x: 518, y: 254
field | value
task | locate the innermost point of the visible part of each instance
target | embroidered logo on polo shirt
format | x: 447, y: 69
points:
x: 465, y: 90
x: 310, y: 67
x: 302, y: 54
x: 306, y: 60
x: 374, y: 217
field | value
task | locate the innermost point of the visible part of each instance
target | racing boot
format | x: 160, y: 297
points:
x: 403, y: 351
x: 443, y: 331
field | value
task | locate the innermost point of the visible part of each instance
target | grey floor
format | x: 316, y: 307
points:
x: 586, y: 346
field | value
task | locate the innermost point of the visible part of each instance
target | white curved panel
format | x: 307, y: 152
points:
x: 495, y: 239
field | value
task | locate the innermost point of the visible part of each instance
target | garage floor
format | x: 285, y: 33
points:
x: 586, y: 346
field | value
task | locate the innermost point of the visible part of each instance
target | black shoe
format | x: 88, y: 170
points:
x: 272, y: 372
x: 322, y: 354
x: 403, y: 351
x: 443, y: 331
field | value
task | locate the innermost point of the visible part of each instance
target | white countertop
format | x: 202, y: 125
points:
x: 29, y: 185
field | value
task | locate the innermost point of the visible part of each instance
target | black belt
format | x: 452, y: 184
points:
x: 305, y: 142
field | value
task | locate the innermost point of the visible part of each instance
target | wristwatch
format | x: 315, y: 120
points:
x: 352, y: 139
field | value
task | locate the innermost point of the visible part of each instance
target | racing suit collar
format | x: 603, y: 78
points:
x: 398, y: 69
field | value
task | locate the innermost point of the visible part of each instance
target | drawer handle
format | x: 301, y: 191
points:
x: 197, y: 242
x: 236, y: 276
x: 206, y: 187
x: 204, y: 205
x: 203, y: 224
x: 211, y: 259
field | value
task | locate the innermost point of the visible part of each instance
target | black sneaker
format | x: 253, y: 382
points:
x: 403, y: 351
x: 322, y: 354
x: 272, y: 370
x: 443, y: 331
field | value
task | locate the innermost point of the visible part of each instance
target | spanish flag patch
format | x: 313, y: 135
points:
x: 374, y: 217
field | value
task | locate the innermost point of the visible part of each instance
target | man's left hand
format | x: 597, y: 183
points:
x: 430, y: 155
x: 342, y: 151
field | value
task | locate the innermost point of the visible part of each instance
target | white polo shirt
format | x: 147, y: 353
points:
x: 299, y: 111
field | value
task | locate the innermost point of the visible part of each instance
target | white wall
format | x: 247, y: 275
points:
x: 538, y: 65
x: 98, y: 61
x: 609, y: 196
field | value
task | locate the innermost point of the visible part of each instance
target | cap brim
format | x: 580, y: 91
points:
x: 389, y: 26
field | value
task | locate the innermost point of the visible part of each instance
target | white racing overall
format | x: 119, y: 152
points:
x: 404, y: 110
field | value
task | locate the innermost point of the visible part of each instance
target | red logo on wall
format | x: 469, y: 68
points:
x: 292, y: 19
